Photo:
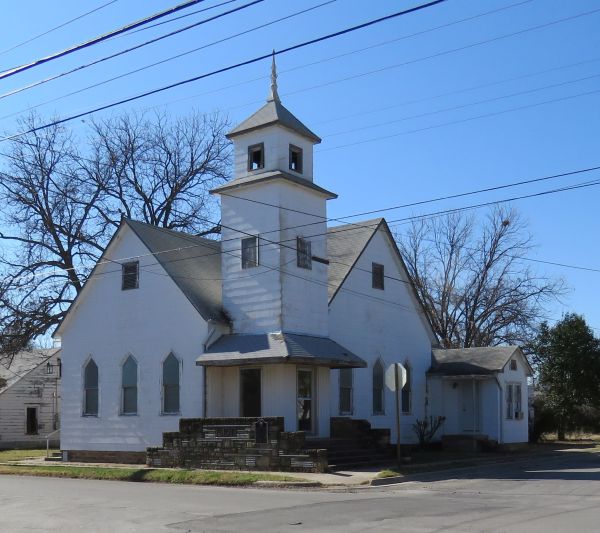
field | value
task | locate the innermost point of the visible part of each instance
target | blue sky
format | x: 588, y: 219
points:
x: 389, y: 136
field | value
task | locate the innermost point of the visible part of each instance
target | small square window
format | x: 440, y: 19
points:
x: 130, y: 275
x: 303, y: 253
x: 249, y: 252
x: 377, y: 276
x: 256, y: 156
x: 295, y: 158
x: 513, y: 364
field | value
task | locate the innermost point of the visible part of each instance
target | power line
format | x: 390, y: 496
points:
x: 16, y: 70
x: 232, y: 67
x: 125, y: 51
x: 463, y: 106
x: 177, y: 56
x: 140, y: 69
x: 2, y: 52
x: 458, y: 121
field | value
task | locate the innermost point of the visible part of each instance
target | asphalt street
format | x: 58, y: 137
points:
x: 547, y: 494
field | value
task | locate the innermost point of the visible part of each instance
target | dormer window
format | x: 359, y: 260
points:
x: 295, y: 158
x: 130, y: 275
x: 256, y: 156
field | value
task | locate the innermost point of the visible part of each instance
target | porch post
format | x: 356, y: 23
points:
x: 474, y: 406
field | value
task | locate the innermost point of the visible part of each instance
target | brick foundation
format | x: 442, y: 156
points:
x: 91, y: 456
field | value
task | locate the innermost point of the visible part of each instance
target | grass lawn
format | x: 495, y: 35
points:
x: 194, y: 477
x: 19, y: 455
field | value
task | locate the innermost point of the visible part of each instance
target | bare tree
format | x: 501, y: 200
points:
x: 473, y: 281
x: 62, y: 201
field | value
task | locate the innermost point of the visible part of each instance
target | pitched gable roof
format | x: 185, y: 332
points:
x: 466, y: 361
x: 24, y: 362
x: 273, y: 112
x: 194, y: 264
x: 345, y: 245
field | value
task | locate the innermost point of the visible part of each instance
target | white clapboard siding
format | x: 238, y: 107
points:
x: 37, y: 389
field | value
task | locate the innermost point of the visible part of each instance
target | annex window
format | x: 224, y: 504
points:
x: 407, y: 390
x: 130, y: 275
x: 256, y: 156
x: 303, y: 253
x: 513, y: 364
x: 345, y: 391
x: 295, y: 159
x: 129, y: 387
x: 249, y: 252
x: 378, y: 407
x: 90, y: 389
x: 170, y: 385
x: 514, y: 401
x: 377, y: 276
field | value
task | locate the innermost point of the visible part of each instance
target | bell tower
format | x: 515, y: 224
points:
x: 273, y: 217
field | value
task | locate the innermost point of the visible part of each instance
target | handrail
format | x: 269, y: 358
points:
x: 48, y: 442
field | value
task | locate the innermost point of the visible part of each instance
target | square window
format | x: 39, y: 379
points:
x: 256, y: 157
x: 130, y: 275
x: 377, y: 276
x: 303, y: 253
x: 249, y: 252
x: 295, y: 158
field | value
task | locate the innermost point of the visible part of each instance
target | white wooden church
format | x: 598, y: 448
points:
x: 283, y: 317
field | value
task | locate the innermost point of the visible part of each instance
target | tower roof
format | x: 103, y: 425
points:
x: 273, y: 112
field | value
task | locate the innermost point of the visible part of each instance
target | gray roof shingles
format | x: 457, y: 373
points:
x: 273, y: 112
x: 471, y: 361
x: 236, y: 349
x: 22, y: 363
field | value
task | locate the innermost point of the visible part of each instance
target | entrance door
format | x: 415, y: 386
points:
x: 32, y: 421
x: 304, y: 400
x: 250, y: 392
x: 469, y: 406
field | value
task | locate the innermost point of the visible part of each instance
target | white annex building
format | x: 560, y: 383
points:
x: 283, y: 317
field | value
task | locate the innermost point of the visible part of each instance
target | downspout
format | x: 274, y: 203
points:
x: 500, y: 424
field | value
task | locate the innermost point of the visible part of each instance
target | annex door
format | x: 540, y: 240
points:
x: 32, y: 421
x: 250, y: 392
x: 305, y: 400
x: 469, y: 406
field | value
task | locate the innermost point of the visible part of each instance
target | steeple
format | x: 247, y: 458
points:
x: 273, y: 96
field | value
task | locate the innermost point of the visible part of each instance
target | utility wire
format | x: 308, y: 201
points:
x: 458, y: 121
x: 125, y: 51
x: 232, y: 67
x: 94, y: 85
x: 16, y: 70
x: 2, y: 52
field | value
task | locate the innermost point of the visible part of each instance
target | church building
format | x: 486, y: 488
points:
x: 283, y: 318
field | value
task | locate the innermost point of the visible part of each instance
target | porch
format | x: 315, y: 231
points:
x: 274, y: 375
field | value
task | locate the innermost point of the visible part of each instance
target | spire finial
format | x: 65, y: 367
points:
x: 273, y: 96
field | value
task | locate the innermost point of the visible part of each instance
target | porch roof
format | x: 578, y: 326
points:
x: 471, y: 361
x: 238, y: 349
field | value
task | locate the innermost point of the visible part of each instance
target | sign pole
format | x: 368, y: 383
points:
x: 398, y: 402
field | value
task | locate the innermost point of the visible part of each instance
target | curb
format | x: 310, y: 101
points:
x: 287, y: 484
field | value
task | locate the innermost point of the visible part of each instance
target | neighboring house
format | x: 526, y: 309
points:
x: 284, y: 317
x: 481, y: 391
x: 30, y: 401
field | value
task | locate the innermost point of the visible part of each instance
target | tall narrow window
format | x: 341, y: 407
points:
x: 249, y: 252
x: 345, y: 391
x: 378, y: 407
x: 295, y: 158
x: 509, y: 401
x: 130, y: 275
x: 303, y: 253
x: 170, y: 382
x: 407, y: 390
x: 90, y: 389
x: 517, y: 400
x: 256, y: 156
x: 377, y: 276
x: 129, y: 385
